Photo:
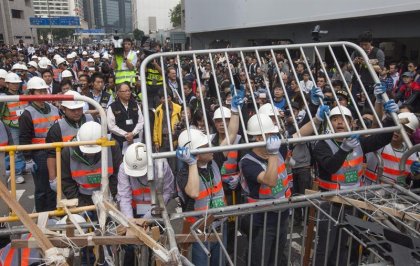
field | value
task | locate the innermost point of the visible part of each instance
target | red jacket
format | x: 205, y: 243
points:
x: 407, y: 90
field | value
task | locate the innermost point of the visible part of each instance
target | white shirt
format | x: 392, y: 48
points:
x: 306, y: 87
x: 133, y: 61
x: 113, y: 128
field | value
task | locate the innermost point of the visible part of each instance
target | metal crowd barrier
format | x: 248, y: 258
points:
x: 362, y: 204
x: 58, y: 146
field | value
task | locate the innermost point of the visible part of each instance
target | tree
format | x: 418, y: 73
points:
x: 175, y: 15
x: 138, y: 34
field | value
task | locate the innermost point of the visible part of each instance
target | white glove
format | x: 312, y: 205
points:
x: 273, y: 145
x: 233, y: 182
x: 350, y: 143
x: 53, y: 185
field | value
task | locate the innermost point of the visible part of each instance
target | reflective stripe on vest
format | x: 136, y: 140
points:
x: 42, y: 122
x: 230, y: 165
x: 15, y: 110
x: 88, y: 177
x: 350, y: 172
x: 9, y: 256
x: 282, y: 188
x: 153, y: 77
x: 124, y: 75
x: 68, y: 131
x: 140, y: 193
x: 211, y: 196
x: 391, y: 159
x: 4, y: 138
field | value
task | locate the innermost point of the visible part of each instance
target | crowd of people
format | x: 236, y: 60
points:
x: 196, y: 100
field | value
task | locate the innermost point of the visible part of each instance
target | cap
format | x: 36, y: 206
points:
x: 408, y: 74
x: 342, y: 93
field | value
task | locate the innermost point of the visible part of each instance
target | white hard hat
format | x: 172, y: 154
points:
x: 73, y: 54
x: 198, y: 139
x: 37, y: 83
x: 34, y: 57
x: 33, y: 64
x: 84, y: 53
x: 43, y: 63
x: 96, y: 55
x: 56, y: 56
x: 90, y: 60
x: 13, y: 78
x: 72, y: 104
x: 61, y: 61
x: 254, y: 129
x: 87, y: 132
x: 105, y: 56
x: 268, y: 110
x: 70, y: 56
x: 336, y: 111
x: 218, y: 113
x: 19, y: 66
x: 48, y: 62
x: 3, y: 74
x: 135, y: 160
x: 413, y: 121
x: 66, y: 74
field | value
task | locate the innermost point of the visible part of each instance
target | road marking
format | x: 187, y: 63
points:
x: 19, y: 193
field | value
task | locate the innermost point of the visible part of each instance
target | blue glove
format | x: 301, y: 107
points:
x: 350, y: 143
x: 415, y: 168
x: 322, y: 112
x: 183, y: 153
x: 391, y: 107
x: 233, y: 182
x: 273, y: 145
x: 378, y: 90
x: 316, y: 95
x: 238, y: 97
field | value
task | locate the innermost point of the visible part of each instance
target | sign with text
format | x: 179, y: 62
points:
x: 55, y: 22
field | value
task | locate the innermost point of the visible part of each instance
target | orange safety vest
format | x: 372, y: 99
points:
x: 9, y: 256
x: 42, y: 122
x: 4, y: 138
x: 88, y: 177
x: 350, y: 173
x: 67, y: 131
x: 282, y: 188
x: 230, y: 165
x: 391, y: 160
x: 15, y: 110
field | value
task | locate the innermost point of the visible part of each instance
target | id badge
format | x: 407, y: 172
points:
x: 401, y: 180
x: 351, y: 176
x: 278, y: 188
x: 19, y: 112
x: 142, y: 209
x: 129, y: 122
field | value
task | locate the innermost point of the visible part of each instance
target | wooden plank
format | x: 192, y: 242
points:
x: 370, y: 206
x: 82, y: 241
x: 42, y: 241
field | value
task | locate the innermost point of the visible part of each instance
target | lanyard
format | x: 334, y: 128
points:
x: 75, y: 154
x: 126, y: 111
x: 208, y: 189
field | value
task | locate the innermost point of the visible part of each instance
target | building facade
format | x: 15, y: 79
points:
x: 247, y: 23
x: 14, y: 22
x: 151, y: 16
x: 113, y: 15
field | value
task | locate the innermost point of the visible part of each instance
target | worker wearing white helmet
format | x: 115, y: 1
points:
x: 339, y: 164
x: 3, y: 74
x: 33, y: 70
x: 65, y: 130
x: 66, y: 74
x: 227, y: 161
x: 34, y: 124
x: 134, y: 195
x: 81, y: 166
x: 265, y: 177
x: 21, y: 70
x: 201, y: 174
x: 391, y: 154
x: 9, y: 114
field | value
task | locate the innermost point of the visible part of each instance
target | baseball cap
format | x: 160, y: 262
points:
x: 408, y: 74
x: 342, y: 93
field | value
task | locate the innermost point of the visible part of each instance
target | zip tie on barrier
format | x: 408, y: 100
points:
x: 54, y: 257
